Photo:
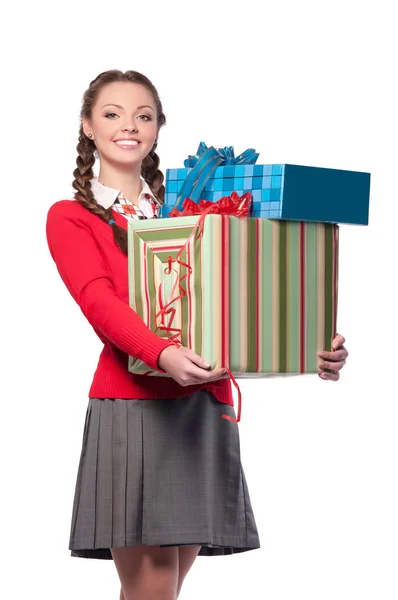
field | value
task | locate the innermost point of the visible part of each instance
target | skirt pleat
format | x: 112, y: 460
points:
x: 164, y: 473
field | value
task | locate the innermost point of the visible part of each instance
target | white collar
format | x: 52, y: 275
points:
x: 106, y: 196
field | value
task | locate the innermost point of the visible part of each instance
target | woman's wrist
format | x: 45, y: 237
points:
x: 161, y: 357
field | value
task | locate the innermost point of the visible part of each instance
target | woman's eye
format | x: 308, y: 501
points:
x: 144, y: 117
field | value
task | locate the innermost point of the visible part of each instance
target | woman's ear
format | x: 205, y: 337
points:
x: 86, y: 126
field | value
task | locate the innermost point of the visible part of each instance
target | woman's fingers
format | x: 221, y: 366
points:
x: 332, y: 362
x: 186, y: 367
x: 195, y: 358
x: 333, y: 366
x: 329, y: 376
x: 199, y: 375
x: 338, y: 341
x: 335, y: 356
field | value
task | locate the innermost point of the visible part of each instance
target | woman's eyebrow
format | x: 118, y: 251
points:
x: 138, y: 108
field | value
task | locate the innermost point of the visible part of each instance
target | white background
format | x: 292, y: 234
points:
x: 309, y: 83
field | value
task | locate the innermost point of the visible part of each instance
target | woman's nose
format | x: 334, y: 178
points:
x: 133, y: 128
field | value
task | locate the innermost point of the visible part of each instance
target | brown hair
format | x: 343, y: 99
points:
x: 86, y: 148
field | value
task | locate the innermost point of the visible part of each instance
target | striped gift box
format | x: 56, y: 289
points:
x: 260, y: 295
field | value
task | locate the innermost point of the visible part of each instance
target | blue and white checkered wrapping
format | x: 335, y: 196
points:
x: 285, y: 191
x: 265, y: 182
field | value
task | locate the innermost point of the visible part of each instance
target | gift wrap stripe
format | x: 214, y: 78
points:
x: 329, y: 308
x: 335, y: 276
x: 196, y: 299
x: 321, y: 287
x: 301, y: 283
x: 310, y: 301
x: 268, y: 232
x: 259, y: 297
x: 252, y: 296
x: 294, y: 298
x: 282, y: 297
x: 259, y: 311
x: 211, y: 276
x: 246, y: 325
x: 275, y: 296
x: 238, y: 283
x: 184, y: 302
x: 140, y: 275
x: 225, y: 274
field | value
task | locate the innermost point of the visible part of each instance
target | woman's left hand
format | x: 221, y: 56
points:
x: 334, y: 360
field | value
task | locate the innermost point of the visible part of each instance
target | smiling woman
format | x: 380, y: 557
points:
x: 160, y: 479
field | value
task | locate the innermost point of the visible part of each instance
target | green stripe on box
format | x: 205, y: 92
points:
x: 184, y: 301
x: 252, y: 324
x: 266, y: 261
x: 137, y: 299
x: 282, y: 296
x: 293, y: 297
x: 130, y: 263
x: 197, y: 287
x: 150, y: 286
x: 207, y: 276
x: 311, y: 295
x: 173, y: 233
x: 235, y: 293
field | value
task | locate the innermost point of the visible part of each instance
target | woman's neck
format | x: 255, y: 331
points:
x: 129, y: 183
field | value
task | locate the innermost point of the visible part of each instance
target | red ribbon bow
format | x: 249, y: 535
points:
x: 233, y: 205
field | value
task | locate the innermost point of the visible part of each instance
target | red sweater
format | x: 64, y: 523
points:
x: 95, y: 272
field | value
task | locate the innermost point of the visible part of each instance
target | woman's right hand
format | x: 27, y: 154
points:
x: 186, y: 367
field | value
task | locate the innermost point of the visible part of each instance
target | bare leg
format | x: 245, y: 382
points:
x: 147, y: 572
x: 186, y: 558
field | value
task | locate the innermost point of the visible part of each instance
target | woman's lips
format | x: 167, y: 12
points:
x: 127, y: 146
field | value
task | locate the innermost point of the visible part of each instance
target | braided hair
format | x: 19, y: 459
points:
x: 86, y: 151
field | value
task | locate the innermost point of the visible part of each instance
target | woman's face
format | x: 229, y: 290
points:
x: 123, y: 111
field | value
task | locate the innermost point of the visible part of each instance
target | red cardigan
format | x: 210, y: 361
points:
x: 95, y: 272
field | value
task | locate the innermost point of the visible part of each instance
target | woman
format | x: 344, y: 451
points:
x: 160, y: 479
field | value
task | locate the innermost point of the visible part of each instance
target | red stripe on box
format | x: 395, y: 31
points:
x: 257, y: 295
x: 166, y: 248
x: 335, y: 280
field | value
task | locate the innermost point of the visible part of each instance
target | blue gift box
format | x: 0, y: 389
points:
x: 281, y: 191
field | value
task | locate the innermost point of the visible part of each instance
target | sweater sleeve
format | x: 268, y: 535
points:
x: 81, y: 267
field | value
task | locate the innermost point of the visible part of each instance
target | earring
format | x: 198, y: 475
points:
x: 90, y: 135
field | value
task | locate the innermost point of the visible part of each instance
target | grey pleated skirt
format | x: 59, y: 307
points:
x: 161, y: 472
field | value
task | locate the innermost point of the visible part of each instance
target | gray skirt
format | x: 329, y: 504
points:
x: 161, y: 472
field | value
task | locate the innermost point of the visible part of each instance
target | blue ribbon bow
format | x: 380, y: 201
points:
x: 248, y: 157
x: 203, y: 165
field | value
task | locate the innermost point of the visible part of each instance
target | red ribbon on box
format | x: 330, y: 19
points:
x: 233, y: 206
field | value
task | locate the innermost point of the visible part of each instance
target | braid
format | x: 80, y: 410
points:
x: 153, y: 175
x: 84, y: 195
